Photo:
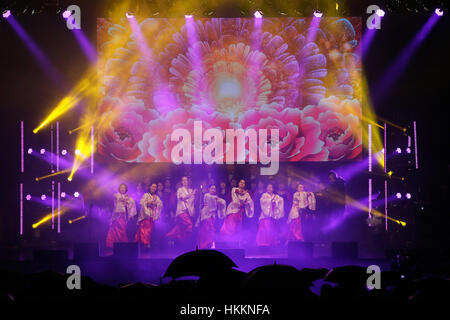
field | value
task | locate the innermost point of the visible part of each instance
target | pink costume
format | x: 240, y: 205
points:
x: 214, y: 207
x: 185, y: 210
x: 272, y: 208
x: 301, y: 200
x: 151, y: 206
x: 240, y: 202
x: 124, y: 209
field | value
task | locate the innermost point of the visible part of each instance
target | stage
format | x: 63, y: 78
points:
x: 270, y: 141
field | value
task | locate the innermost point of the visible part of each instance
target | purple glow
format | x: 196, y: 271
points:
x: 398, y: 195
x: 92, y: 149
x: 28, y: 197
x: 30, y: 151
x: 318, y: 14
x: 86, y: 45
x: 380, y: 13
x: 396, y: 69
x: 312, y: 31
x: 415, y: 144
x: 38, y: 54
x: 408, y: 150
x: 22, y: 167
x: 398, y: 150
x: 43, y: 197
x: 42, y: 151
x: 66, y: 14
x: 64, y: 152
x: 76, y: 194
x: 6, y: 14
x: 438, y: 11
x: 63, y: 194
x: 408, y: 195
x: 21, y: 209
x: 258, y: 14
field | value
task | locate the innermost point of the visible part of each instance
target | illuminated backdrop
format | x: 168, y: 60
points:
x: 300, y: 75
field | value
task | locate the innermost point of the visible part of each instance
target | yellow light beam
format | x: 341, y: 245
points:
x: 52, y: 175
x: 77, y: 219
x: 47, y: 218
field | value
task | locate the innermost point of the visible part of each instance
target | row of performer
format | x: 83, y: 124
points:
x: 213, y: 207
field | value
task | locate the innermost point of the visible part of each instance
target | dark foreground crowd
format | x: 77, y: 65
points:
x: 202, y: 276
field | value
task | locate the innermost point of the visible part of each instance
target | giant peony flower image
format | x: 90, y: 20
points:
x: 280, y: 74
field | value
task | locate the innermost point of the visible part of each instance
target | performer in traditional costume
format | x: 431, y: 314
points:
x: 241, y: 202
x: 213, y: 207
x: 184, y: 212
x: 151, y: 206
x: 124, y: 210
x: 272, y: 209
x: 301, y: 201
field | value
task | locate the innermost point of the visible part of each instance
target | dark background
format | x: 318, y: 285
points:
x: 421, y: 94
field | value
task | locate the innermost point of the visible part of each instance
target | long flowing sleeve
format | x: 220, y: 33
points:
x: 293, y: 214
x: 278, y: 212
x: 249, y: 205
x: 185, y: 201
x: 221, y: 206
x: 123, y: 204
x: 311, y: 201
x: 151, y: 206
x: 272, y: 206
x: 131, y: 208
x: 159, y: 206
x: 238, y: 201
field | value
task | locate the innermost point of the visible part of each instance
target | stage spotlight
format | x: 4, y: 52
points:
x: 42, y: 151
x: 66, y: 14
x: 69, y: 179
x: 30, y: 151
x: 258, y: 14
x: 28, y: 197
x: 77, y: 152
x: 408, y: 150
x: 6, y: 14
x: 188, y: 16
x: 129, y: 15
x: 63, y: 194
x: 318, y: 14
x: 64, y: 152
x: 390, y: 173
x: 382, y: 150
x: 380, y: 13
x: 438, y: 11
x: 76, y: 194
x: 398, y: 195
x: 398, y: 150
x: 43, y: 197
x: 408, y: 195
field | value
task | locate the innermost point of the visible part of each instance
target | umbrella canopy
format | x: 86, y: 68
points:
x: 198, y: 263
x: 277, y: 276
x: 348, y: 275
x: 313, y: 274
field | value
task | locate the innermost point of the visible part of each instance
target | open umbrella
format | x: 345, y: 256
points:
x: 348, y: 275
x: 278, y: 282
x: 198, y: 263
x: 313, y: 274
